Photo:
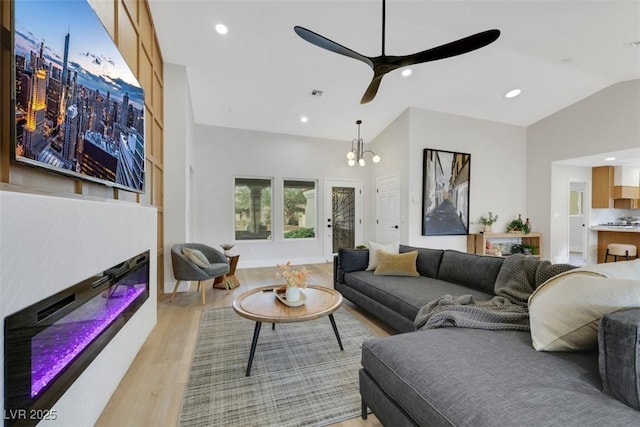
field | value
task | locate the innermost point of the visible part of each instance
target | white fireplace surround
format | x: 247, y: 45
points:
x: 50, y: 243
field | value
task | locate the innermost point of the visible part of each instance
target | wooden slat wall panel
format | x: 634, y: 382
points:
x: 158, y: 103
x: 130, y: 24
x: 128, y: 40
x: 132, y: 9
x: 145, y: 76
x: 158, y: 146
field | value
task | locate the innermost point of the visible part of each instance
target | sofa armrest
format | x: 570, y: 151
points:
x: 349, y: 260
x: 353, y: 259
x: 619, y: 356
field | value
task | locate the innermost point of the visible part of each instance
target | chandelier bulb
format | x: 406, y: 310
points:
x: 351, y: 155
x: 376, y: 159
x: 351, y: 162
x: 361, y: 162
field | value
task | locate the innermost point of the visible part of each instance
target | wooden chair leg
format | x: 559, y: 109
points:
x: 175, y: 288
x: 204, y: 289
x: 606, y: 255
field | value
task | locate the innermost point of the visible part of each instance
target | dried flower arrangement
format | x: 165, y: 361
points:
x: 297, y: 278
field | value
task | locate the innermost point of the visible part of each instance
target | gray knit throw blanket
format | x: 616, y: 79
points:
x: 507, y: 310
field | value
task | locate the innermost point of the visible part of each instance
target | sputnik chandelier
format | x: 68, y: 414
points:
x: 357, y: 151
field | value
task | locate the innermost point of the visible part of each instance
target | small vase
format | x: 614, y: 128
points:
x: 487, y: 228
x: 227, y: 252
x: 292, y: 294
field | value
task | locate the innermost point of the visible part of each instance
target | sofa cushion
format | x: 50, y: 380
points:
x: 406, y: 295
x: 565, y: 311
x: 374, y: 248
x: 396, y: 264
x: 473, y: 377
x: 428, y: 262
x: 353, y: 259
x: 475, y: 271
x: 619, y: 356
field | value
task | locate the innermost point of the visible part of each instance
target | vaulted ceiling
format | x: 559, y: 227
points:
x: 260, y: 75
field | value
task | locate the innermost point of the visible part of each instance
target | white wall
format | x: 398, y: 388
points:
x: 178, y: 137
x: 221, y: 154
x: 497, y: 167
x: 603, y: 122
x: 392, y: 145
x: 50, y: 243
x: 510, y: 170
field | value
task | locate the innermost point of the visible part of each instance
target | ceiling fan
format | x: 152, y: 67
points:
x: 383, y: 64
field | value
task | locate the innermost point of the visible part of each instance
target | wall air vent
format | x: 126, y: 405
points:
x: 317, y: 93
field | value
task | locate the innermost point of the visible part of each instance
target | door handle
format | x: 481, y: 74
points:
x: 328, y: 225
x: 394, y: 226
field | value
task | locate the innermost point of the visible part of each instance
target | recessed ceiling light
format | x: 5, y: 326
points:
x: 406, y: 73
x: 609, y: 159
x: 512, y: 93
x: 304, y: 119
x: 222, y: 29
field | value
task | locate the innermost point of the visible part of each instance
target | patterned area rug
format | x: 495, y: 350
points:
x: 299, y: 375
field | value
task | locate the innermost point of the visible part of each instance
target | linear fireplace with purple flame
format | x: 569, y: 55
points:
x: 50, y: 343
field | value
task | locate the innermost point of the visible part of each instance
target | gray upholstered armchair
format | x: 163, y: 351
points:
x: 185, y: 269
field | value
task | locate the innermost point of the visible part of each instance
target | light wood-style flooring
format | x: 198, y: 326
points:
x: 150, y: 394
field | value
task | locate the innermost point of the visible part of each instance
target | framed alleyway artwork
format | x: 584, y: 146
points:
x: 445, y: 193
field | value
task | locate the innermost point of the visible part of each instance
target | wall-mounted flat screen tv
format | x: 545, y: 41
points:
x: 79, y: 110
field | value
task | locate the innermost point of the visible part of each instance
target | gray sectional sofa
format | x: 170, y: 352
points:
x: 474, y: 377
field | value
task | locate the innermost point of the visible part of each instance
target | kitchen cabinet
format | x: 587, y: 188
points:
x: 606, y: 194
x: 602, y: 187
x: 626, y: 197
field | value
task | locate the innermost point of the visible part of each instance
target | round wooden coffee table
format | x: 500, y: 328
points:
x: 262, y: 305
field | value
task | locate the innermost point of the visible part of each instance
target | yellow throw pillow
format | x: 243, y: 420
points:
x: 375, y: 248
x: 397, y: 264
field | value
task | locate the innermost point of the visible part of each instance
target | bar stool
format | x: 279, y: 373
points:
x: 620, y: 249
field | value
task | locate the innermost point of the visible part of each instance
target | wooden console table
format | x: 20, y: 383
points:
x: 477, y: 243
x: 230, y: 277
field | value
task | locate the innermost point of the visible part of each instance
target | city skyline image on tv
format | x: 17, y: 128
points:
x: 79, y: 108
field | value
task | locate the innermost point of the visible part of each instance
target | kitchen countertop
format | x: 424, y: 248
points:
x: 619, y: 228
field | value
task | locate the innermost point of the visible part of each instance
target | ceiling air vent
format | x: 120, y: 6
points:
x: 317, y: 93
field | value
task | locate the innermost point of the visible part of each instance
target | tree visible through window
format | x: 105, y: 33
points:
x: 299, y: 209
x: 252, y: 209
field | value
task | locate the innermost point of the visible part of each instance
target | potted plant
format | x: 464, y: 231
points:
x: 517, y: 226
x: 487, y: 222
x: 516, y: 249
x: 226, y: 247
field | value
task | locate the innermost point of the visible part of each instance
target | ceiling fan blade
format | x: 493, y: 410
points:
x: 458, y: 47
x: 330, y: 45
x: 372, y: 90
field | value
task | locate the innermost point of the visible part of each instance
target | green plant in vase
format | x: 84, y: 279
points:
x: 487, y: 222
x: 517, y: 226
